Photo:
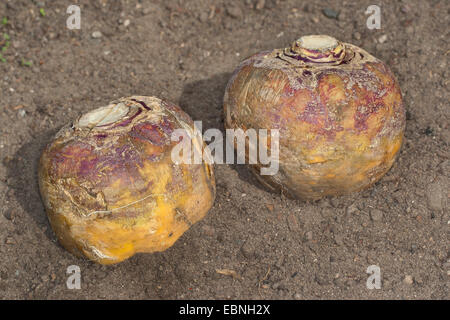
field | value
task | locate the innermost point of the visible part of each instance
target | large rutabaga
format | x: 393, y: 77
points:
x: 338, y: 110
x: 110, y: 187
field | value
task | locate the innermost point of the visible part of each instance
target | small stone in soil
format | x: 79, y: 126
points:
x: 382, y: 39
x: 8, y: 215
x: 234, y: 12
x: 293, y: 222
x: 260, y: 4
x: 330, y: 13
x: 408, y: 279
x: 376, y: 215
x: 339, y: 239
x: 435, y: 195
x: 247, y: 250
x: 309, y: 235
x: 96, y: 34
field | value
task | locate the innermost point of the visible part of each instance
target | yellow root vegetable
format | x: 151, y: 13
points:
x: 338, y: 110
x: 110, y: 187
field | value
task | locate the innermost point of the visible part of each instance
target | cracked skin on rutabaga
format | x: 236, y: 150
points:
x: 110, y: 187
x: 338, y: 110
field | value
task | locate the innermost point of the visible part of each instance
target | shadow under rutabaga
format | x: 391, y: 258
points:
x: 203, y: 101
x: 23, y: 180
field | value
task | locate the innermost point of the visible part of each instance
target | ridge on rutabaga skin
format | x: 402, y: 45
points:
x: 338, y: 110
x: 110, y: 187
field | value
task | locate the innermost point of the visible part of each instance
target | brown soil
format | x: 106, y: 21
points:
x: 184, y: 51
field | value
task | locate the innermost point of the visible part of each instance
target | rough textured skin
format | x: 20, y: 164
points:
x: 341, y: 124
x: 112, y: 190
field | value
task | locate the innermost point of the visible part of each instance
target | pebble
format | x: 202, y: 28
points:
x: 96, y: 35
x: 16, y: 44
x: 376, y: 215
x: 330, y: 13
x: 418, y: 280
x: 357, y: 35
x: 408, y: 279
x: 309, y: 235
x: 293, y: 222
x: 126, y: 23
x: 435, y: 195
x: 382, y: 39
x: 22, y: 113
x: 247, y: 250
x: 260, y: 4
x: 8, y: 215
x: 234, y: 12
x: 339, y: 239
x: 297, y: 296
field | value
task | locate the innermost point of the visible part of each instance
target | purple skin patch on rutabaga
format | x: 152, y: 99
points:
x: 149, y: 132
x: 142, y: 104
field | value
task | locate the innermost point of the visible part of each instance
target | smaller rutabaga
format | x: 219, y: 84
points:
x: 338, y: 110
x: 110, y: 187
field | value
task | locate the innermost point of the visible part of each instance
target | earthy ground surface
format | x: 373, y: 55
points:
x: 184, y: 51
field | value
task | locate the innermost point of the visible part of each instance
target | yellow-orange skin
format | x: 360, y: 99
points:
x: 110, y: 193
x: 341, y: 126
